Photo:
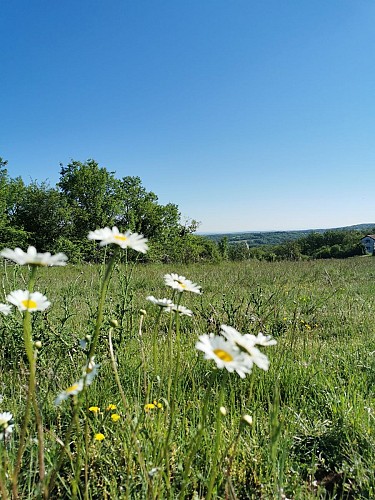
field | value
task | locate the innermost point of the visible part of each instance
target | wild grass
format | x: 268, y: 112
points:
x: 312, y: 433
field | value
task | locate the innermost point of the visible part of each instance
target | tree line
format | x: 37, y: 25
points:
x: 86, y: 197
x: 337, y: 244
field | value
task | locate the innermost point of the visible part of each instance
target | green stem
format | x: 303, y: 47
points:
x: 154, y: 340
x: 76, y: 481
x: 3, y: 488
x: 115, y: 372
x: 31, y: 397
x: 86, y: 494
x: 231, y: 454
x: 65, y: 449
x: 170, y: 354
x: 39, y: 425
x: 177, y: 356
x: 103, y: 294
x: 193, y: 448
x: 215, y: 460
x: 144, y: 365
x: 133, y: 431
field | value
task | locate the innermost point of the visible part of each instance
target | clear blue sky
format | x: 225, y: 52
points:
x: 250, y: 115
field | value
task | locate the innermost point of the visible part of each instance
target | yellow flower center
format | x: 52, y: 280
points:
x: 72, y: 388
x: 182, y: 285
x: 120, y: 237
x: 29, y: 304
x: 223, y: 355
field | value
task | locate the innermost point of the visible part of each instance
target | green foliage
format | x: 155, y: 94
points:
x: 10, y: 234
x: 338, y: 244
x: 223, y: 245
x: 91, y: 193
x: 141, y: 213
x: 239, y: 251
x: 43, y: 213
x: 273, y: 238
x: 89, y: 197
x: 186, y: 248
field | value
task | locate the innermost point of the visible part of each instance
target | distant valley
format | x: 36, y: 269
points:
x: 258, y: 238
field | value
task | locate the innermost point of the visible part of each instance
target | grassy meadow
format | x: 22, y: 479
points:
x: 179, y: 430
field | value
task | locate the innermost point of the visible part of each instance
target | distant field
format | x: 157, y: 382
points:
x: 258, y: 238
x: 313, y: 413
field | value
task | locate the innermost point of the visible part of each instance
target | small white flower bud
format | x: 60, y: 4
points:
x: 223, y: 410
x: 248, y: 419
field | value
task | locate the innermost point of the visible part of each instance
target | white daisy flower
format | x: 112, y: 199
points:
x: 74, y: 389
x: 6, y: 427
x: 182, y: 310
x: 90, y: 371
x: 163, y: 303
x: 181, y: 283
x: 246, y: 343
x: 5, y: 309
x: 28, y: 301
x: 225, y: 354
x: 33, y: 258
x: 5, y: 418
x: 106, y: 236
x: 167, y: 305
x: 261, y: 339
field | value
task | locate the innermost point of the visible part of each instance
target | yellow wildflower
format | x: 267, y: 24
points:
x: 111, y: 407
x: 115, y: 417
x: 149, y: 406
x: 94, y: 409
x: 99, y: 436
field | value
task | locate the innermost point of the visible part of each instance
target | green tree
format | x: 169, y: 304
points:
x: 43, y: 213
x: 290, y: 250
x: 239, y: 251
x: 224, y: 247
x: 91, y: 192
x: 10, y: 236
x: 140, y: 211
x: 4, y: 181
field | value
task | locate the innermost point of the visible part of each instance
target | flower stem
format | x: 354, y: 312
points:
x: 115, y: 372
x: 3, y: 488
x: 103, y: 294
x: 196, y: 442
x: 154, y: 340
x: 215, y: 459
x: 76, y: 480
x: 31, y: 399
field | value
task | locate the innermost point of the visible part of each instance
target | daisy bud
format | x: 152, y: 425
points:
x: 114, y: 323
x: 223, y: 410
x: 248, y: 419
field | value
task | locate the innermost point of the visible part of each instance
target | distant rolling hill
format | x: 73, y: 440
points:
x: 258, y: 238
